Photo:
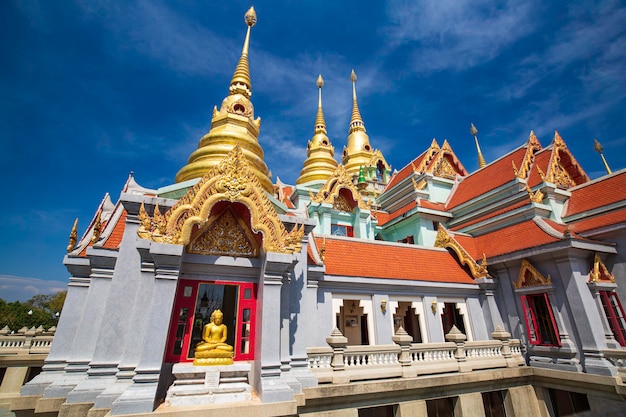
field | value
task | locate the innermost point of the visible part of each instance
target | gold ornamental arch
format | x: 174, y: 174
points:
x: 232, y: 180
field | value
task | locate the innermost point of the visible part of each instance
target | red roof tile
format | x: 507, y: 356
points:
x: 513, y: 238
x: 596, y: 222
x: 607, y: 190
x: 542, y: 161
x: 432, y: 206
x: 486, y: 179
x: 115, y: 238
x: 371, y: 259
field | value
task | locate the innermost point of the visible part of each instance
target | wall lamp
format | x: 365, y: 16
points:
x: 383, y: 305
x: 433, y: 306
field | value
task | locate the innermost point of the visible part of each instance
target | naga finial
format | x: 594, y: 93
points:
x: 73, y: 236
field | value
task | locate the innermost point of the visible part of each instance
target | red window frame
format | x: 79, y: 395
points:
x: 181, y: 325
x: 348, y: 229
x: 537, y: 326
x: 615, y: 315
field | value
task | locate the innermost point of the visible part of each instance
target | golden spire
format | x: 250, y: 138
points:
x: 481, y: 159
x: 320, y: 163
x: 356, y: 123
x: 358, y: 152
x: 73, y: 236
x: 320, y: 123
x: 599, y: 148
x: 241, y: 78
x: 234, y: 124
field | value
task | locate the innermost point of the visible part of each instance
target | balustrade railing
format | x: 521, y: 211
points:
x: 26, y: 341
x: 340, y: 363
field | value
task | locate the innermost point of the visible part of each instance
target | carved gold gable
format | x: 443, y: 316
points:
x: 599, y: 271
x: 532, y: 147
x: 225, y: 235
x: 446, y: 240
x: 558, y: 174
x: 232, y: 180
x: 445, y: 164
x: 329, y: 193
x: 530, y: 277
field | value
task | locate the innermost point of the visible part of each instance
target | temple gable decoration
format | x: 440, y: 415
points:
x: 445, y: 163
x: 225, y: 234
x: 532, y: 147
x: 446, y: 240
x: 599, y: 271
x: 331, y: 192
x: 563, y: 170
x: 232, y: 180
x: 530, y: 277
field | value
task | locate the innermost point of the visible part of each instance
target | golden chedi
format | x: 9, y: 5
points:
x: 213, y: 350
x: 233, y: 124
x: 320, y: 162
x: 358, y: 151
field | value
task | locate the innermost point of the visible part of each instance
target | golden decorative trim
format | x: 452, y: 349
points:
x: 444, y: 162
x: 232, y: 180
x: 419, y: 186
x: 73, y: 237
x: 97, y: 228
x: 535, y: 197
x: 530, y: 277
x: 341, y: 204
x: 557, y: 174
x: 330, y: 191
x: 446, y: 240
x: 225, y: 235
x: 532, y: 147
x: 599, y: 271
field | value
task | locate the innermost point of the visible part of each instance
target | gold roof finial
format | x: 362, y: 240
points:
x: 240, y: 82
x: 599, y: 148
x: 73, y: 236
x: 356, y: 123
x: 481, y: 159
x: 97, y: 229
x: 320, y: 163
x: 320, y: 123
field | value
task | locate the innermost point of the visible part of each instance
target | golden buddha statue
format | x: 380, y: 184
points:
x: 213, y: 350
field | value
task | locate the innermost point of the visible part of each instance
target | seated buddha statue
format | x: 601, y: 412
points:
x: 213, y: 350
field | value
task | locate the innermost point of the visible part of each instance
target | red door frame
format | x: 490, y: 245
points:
x: 181, y: 325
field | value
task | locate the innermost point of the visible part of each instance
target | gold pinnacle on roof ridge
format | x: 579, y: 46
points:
x: 320, y: 163
x: 320, y: 123
x: 599, y: 148
x: 240, y: 82
x: 356, y: 123
x: 481, y: 159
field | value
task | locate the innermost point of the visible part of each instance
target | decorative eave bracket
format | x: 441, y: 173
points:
x: 446, y: 240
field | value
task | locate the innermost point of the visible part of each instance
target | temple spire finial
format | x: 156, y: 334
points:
x: 356, y: 122
x: 481, y: 159
x: 599, y: 148
x: 240, y: 82
x: 320, y: 123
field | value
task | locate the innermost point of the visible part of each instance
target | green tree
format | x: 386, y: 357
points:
x: 41, y: 310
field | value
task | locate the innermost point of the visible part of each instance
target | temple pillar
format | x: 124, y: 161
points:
x: 268, y: 342
x: 140, y: 396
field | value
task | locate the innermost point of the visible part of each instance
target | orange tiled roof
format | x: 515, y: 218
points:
x: 115, y: 238
x: 433, y: 206
x: 371, y: 259
x: 513, y: 238
x: 469, y: 244
x: 607, y: 190
x: 596, y: 222
x: 486, y: 179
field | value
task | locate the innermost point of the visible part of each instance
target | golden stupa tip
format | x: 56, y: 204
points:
x: 473, y: 129
x: 353, y: 76
x: 250, y: 17
x: 320, y: 81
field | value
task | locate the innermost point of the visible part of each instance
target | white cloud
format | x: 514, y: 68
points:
x: 24, y: 288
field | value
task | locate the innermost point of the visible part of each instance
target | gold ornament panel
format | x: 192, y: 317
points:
x: 226, y: 235
x: 231, y: 180
x: 445, y: 240
x: 529, y: 276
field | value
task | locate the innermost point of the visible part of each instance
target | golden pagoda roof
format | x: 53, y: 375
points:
x: 234, y: 124
x: 358, y: 151
x: 320, y: 163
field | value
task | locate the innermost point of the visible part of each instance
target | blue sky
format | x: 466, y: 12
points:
x: 91, y: 90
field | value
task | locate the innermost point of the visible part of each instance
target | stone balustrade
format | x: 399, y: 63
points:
x: 22, y: 355
x: 618, y: 358
x: 340, y: 363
